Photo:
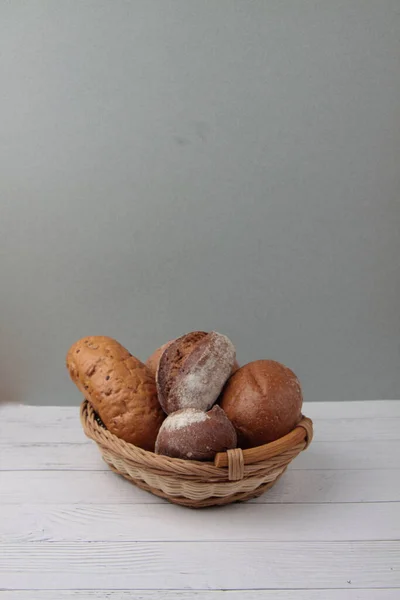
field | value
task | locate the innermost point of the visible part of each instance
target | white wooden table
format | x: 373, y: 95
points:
x: 329, y: 530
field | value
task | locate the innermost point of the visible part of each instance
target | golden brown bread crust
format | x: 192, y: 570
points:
x: 263, y: 400
x: 120, y: 388
x: 153, y: 360
x: 193, y: 370
x: 196, y: 435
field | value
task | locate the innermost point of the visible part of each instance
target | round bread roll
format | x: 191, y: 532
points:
x: 120, y: 388
x: 193, y: 370
x: 153, y: 360
x: 263, y: 400
x: 196, y: 435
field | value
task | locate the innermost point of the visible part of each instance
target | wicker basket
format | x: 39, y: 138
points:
x: 234, y: 476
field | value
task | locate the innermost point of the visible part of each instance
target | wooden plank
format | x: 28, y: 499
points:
x: 104, y: 487
x: 25, y: 424
x: 53, y: 425
x: 342, y: 594
x: 308, y: 486
x: 349, y: 430
x: 71, y: 487
x: 258, y: 522
x: 18, y: 412
x: 350, y: 455
x: 86, y: 456
x: 194, y: 565
x: 360, y: 409
x: 34, y: 456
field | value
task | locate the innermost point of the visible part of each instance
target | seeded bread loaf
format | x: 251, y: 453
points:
x: 196, y: 435
x: 193, y: 370
x: 120, y: 388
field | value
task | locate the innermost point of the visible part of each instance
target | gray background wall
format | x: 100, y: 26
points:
x: 168, y: 165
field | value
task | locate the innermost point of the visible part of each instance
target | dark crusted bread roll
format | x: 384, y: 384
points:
x: 154, y: 359
x: 193, y: 370
x: 196, y: 435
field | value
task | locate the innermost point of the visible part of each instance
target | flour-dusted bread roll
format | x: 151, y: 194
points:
x: 153, y: 361
x: 263, y: 400
x: 193, y: 370
x: 196, y: 435
x: 120, y: 388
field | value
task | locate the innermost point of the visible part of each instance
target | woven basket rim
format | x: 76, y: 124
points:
x: 301, y: 434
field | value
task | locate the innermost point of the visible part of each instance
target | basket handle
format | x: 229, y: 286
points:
x: 302, y: 432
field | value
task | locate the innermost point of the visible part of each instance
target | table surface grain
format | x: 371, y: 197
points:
x: 329, y: 530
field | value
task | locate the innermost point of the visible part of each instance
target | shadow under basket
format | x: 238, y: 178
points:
x: 234, y: 476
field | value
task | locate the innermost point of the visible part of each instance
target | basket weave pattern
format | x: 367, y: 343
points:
x: 234, y: 476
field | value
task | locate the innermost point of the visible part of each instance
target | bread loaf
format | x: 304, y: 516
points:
x: 263, y: 400
x: 193, y: 370
x: 120, y: 388
x: 195, y: 435
x: 153, y: 360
